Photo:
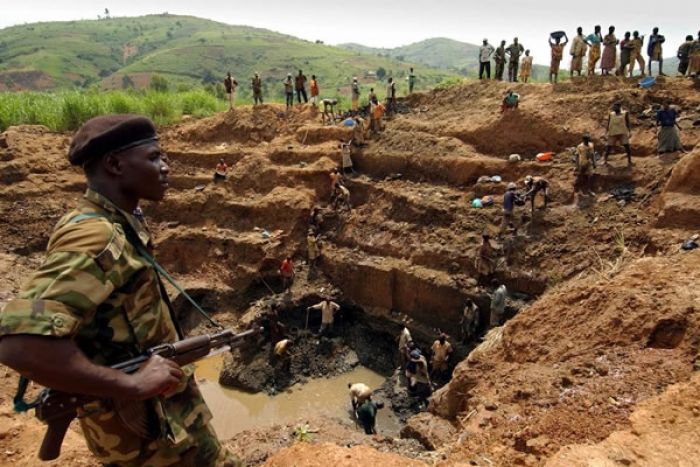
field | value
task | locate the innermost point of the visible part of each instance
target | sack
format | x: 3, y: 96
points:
x: 487, y: 200
x: 476, y: 203
x: 519, y: 200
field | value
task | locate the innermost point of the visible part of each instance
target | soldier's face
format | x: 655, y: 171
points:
x: 145, y: 172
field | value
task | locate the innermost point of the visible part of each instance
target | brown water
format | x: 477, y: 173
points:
x: 235, y: 411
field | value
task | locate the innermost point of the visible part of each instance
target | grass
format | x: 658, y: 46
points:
x: 67, y: 110
x: 187, y: 51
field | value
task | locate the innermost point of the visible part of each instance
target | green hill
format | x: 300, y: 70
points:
x: 120, y: 52
x: 448, y: 54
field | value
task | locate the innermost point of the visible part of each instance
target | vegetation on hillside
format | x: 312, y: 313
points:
x: 119, y: 53
x: 67, y: 110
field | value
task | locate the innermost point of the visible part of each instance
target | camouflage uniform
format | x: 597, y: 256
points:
x: 95, y: 289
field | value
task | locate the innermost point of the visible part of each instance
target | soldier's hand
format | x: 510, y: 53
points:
x: 158, y: 376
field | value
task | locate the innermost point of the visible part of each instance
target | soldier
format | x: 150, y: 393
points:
x: 256, y: 84
x: 500, y: 58
x: 97, y: 300
x: 514, y: 51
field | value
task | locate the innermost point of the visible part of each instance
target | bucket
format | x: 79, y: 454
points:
x: 647, y: 82
x: 557, y: 34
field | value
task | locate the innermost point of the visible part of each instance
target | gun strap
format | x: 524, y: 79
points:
x: 141, y: 250
x: 21, y: 405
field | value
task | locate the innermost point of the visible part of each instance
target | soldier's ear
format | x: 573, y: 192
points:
x: 113, y: 164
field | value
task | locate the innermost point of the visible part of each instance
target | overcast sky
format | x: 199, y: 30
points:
x: 381, y: 23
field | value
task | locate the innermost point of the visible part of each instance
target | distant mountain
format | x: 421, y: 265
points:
x: 448, y: 54
x: 124, y: 52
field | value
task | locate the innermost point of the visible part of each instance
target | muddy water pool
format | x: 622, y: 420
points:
x: 235, y: 411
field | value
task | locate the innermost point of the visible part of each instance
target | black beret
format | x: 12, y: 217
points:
x: 110, y: 133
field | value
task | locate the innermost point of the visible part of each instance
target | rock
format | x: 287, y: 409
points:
x: 492, y: 406
x: 431, y: 431
x: 3, y: 141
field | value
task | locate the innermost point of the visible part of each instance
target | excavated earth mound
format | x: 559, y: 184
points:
x: 606, y: 323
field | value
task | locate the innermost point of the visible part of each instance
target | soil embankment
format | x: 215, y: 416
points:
x: 598, y: 356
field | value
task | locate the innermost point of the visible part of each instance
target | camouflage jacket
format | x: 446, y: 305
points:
x: 94, y: 288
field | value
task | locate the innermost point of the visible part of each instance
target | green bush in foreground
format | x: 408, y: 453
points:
x: 66, y: 111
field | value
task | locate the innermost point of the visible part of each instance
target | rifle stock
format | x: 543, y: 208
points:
x: 58, y: 409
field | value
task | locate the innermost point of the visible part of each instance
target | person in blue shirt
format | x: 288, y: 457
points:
x: 669, y: 139
x: 594, y: 40
x: 508, y: 206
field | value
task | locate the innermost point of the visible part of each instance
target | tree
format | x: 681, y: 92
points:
x: 159, y: 83
x: 106, y: 13
x: 127, y: 82
x: 381, y: 73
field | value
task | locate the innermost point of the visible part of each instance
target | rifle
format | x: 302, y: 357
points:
x: 58, y: 409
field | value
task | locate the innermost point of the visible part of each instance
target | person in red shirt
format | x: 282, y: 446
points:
x: 314, y: 90
x: 220, y: 172
x: 287, y: 272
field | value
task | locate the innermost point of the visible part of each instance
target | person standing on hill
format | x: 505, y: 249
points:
x: 230, y: 87
x: 300, y: 87
x: 594, y: 40
x: 684, y: 55
x: 314, y: 91
x: 355, y: 94
x: 526, y: 67
x: 376, y: 114
x: 636, y: 53
x: 411, y: 81
x: 485, y: 52
x: 578, y: 51
x: 669, y: 139
x: 619, y: 129
x: 557, y: 55
x: 390, y: 96
x: 514, y: 51
x: 256, y: 84
x: 610, y: 42
x: 500, y: 58
x: 585, y: 165
x: 289, y: 90
x: 625, y: 53
x: 655, y: 50
x: 694, y: 63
